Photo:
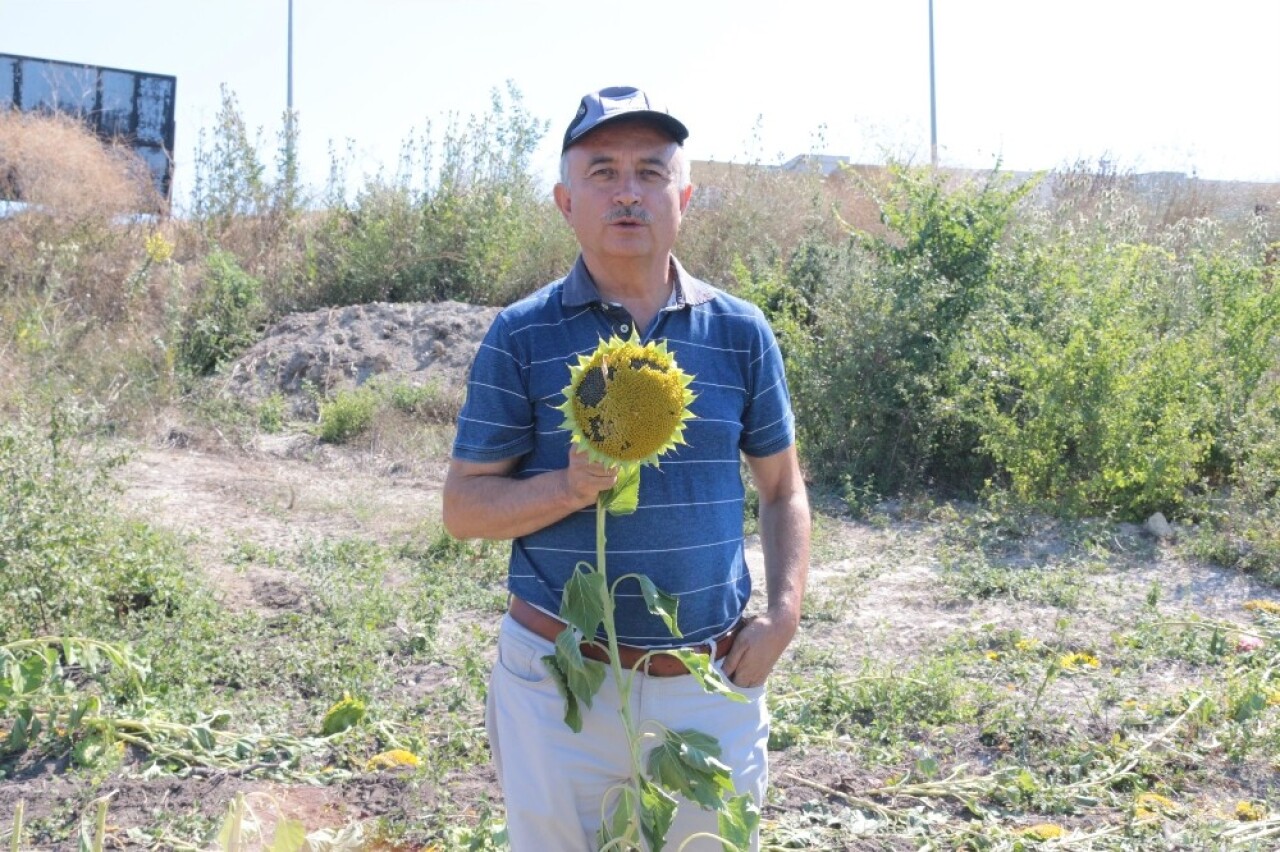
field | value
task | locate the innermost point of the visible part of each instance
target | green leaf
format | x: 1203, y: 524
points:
x: 588, y: 679
x: 31, y: 674
x: 203, y: 738
x: 620, y: 824
x: 91, y: 704
x: 687, y: 763
x: 660, y: 604
x: 738, y: 821
x: 290, y: 836
x: 1252, y: 704
x: 583, y: 675
x: 711, y: 681
x: 624, y: 496
x: 582, y: 603
x: 657, y: 812
x: 20, y: 735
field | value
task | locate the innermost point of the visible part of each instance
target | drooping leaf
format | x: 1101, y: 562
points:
x: 572, y: 705
x: 583, y: 675
x: 738, y: 821
x: 619, y: 828
x: 687, y: 762
x: 711, y: 681
x: 582, y: 603
x: 657, y: 812
x: 660, y: 604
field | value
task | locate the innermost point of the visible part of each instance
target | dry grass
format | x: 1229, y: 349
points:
x: 53, y: 162
x: 82, y: 304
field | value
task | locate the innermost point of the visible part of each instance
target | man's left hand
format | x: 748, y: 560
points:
x: 760, y: 642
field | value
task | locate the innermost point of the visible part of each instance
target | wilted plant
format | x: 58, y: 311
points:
x: 626, y: 405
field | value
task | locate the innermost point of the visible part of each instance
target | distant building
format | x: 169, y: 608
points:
x: 132, y: 107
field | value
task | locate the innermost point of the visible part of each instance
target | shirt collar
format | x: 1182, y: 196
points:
x: 580, y: 288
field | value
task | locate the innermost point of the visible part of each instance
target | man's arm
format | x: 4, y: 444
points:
x: 784, y: 534
x: 483, y: 500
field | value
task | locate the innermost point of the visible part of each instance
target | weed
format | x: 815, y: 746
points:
x: 347, y: 415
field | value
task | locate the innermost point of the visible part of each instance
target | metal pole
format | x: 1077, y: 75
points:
x: 933, y: 98
x: 289, y: 96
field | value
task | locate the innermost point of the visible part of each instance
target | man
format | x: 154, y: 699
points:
x: 624, y: 186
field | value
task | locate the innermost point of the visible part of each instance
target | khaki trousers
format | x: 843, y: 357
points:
x: 556, y: 784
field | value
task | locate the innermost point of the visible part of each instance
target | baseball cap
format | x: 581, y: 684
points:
x: 617, y: 102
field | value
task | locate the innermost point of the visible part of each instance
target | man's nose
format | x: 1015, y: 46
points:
x: 628, y: 191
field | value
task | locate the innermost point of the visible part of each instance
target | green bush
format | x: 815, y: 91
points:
x: 68, y: 564
x: 477, y: 228
x: 225, y: 317
x: 272, y: 413
x: 871, y: 365
x: 348, y: 414
x: 1085, y: 391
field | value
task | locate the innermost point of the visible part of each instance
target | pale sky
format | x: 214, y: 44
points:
x: 1150, y: 85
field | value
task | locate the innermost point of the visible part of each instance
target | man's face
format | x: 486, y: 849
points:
x: 624, y: 197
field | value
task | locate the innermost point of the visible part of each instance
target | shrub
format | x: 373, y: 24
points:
x: 1113, y: 376
x: 67, y: 563
x: 349, y: 414
x: 872, y: 376
x: 225, y: 317
x: 477, y: 228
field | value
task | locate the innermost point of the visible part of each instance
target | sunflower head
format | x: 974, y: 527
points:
x: 627, y: 403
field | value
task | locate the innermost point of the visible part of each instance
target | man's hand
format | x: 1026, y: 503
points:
x: 784, y: 534
x: 585, y: 479
x: 756, y: 649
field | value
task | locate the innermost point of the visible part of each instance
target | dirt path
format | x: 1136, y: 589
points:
x: 280, y: 493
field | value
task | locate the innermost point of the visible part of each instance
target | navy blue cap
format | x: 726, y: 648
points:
x: 618, y: 102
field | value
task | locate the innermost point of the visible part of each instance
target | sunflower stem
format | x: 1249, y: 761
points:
x: 621, y: 678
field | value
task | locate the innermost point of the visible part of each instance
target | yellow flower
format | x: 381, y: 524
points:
x: 627, y: 403
x: 1249, y: 812
x: 1044, y: 831
x: 1025, y: 644
x: 1070, y: 661
x: 1152, y: 806
x: 158, y: 249
x: 391, y: 759
x: 993, y: 655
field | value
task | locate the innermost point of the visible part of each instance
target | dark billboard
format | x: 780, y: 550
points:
x: 131, y: 106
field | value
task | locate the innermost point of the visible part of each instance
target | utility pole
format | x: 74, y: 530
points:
x: 289, y: 93
x: 933, y: 98
x: 290, y: 131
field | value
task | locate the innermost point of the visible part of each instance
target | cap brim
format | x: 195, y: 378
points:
x: 673, y: 127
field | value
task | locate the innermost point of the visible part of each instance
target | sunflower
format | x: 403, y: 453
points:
x: 626, y: 403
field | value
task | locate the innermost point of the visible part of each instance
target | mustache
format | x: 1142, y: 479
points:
x: 628, y: 211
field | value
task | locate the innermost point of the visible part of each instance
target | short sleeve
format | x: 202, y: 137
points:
x: 768, y: 424
x: 496, y: 421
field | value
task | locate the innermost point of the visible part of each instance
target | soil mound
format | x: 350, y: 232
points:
x: 307, y: 356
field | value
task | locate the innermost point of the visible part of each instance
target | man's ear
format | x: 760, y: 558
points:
x: 685, y: 195
x: 563, y: 200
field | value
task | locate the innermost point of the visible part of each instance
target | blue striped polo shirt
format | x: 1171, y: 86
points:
x: 687, y: 533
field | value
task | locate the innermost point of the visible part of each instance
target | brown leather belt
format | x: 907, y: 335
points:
x: 659, y: 665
